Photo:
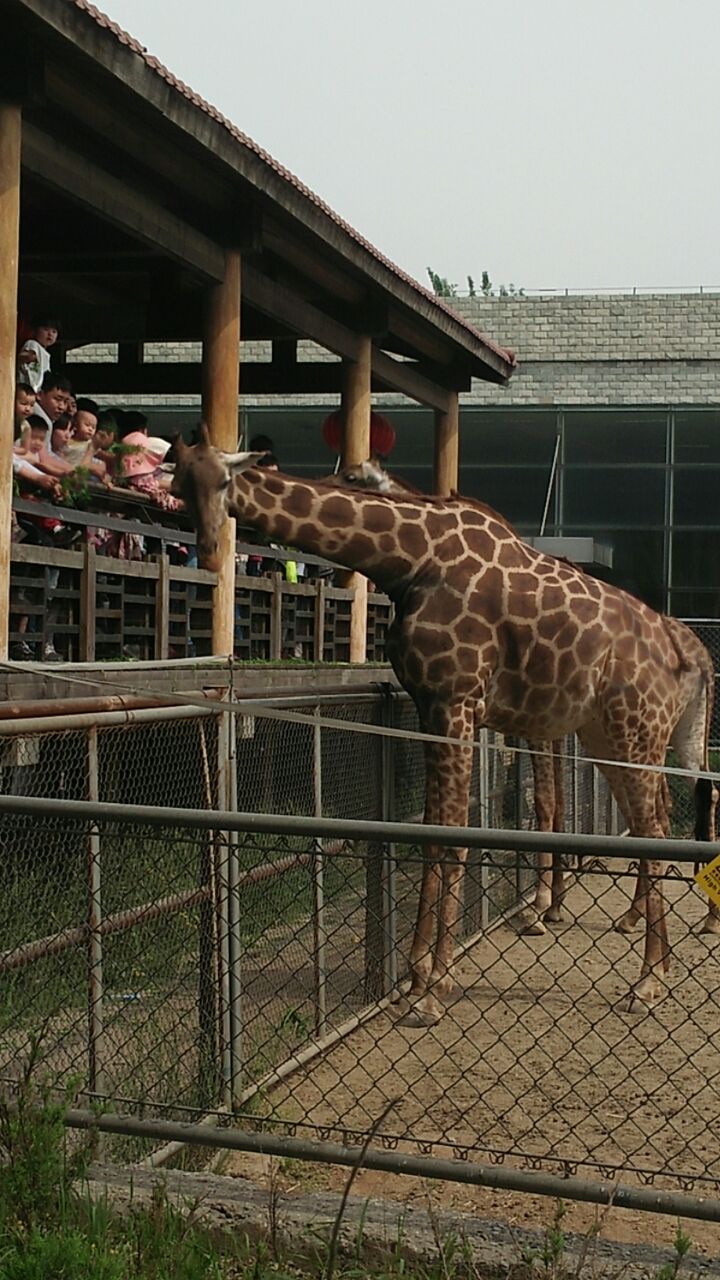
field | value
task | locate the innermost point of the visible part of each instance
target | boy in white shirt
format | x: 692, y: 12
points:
x: 34, y: 357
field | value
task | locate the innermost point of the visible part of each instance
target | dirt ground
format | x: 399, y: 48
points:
x: 534, y: 1061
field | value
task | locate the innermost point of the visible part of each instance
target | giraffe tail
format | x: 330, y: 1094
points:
x: 706, y: 798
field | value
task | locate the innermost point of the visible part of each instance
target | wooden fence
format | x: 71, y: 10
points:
x: 85, y: 607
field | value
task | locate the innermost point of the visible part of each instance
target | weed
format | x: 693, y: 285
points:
x: 682, y: 1245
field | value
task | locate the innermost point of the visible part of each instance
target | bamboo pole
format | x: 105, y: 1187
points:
x: 357, y: 404
x: 447, y: 448
x: 10, y: 141
x: 221, y: 357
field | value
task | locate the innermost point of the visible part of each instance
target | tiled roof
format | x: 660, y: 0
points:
x: 102, y: 20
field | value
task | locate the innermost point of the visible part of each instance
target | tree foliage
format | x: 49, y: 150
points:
x: 444, y: 288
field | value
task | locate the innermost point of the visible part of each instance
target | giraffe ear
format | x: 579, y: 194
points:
x: 204, y: 433
x: 179, y: 447
x: 240, y: 461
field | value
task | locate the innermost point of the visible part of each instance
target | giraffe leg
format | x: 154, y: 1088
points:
x: 711, y: 923
x: 663, y: 807
x: 531, y: 919
x: 645, y: 819
x: 656, y: 959
x: 560, y: 878
x: 636, y: 792
x: 447, y: 794
x: 442, y: 981
x: 421, y: 950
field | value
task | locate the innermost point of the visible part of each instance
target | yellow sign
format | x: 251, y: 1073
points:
x: 708, y: 878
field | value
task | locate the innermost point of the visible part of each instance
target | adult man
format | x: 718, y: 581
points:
x: 52, y: 399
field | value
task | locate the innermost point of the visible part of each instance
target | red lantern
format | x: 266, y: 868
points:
x: 382, y: 433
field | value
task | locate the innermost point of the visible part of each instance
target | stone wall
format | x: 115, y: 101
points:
x: 584, y: 350
x: 600, y: 349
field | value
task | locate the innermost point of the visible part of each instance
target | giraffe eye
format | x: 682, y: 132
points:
x: 224, y: 484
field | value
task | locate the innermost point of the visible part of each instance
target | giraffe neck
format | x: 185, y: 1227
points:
x: 361, y: 531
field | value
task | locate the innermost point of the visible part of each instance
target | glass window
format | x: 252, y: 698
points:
x: 608, y: 496
x: 697, y: 435
x: 696, y: 497
x: 696, y: 560
x: 518, y: 493
x: 626, y: 435
x: 695, y: 604
x: 637, y: 564
x: 507, y: 435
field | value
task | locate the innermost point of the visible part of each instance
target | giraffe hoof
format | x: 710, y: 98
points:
x: 425, y: 1012
x: 530, y: 924
x: 555, y: 915
x: 642, y: 997
x: 711, y: 924
x: 627, y: 923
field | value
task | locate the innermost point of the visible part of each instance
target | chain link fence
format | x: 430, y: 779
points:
x: 180, y: 967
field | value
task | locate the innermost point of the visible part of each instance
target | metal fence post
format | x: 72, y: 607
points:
x: 234, y: 949
x: 95, y: 946
x: 483, y: 807
x: 389, y: 878
x: 210, y: 968
x: 575, y: 786
x: 375, y: 893
x: 222, y: 865
x: 318, y: 885
x: 597, y: 819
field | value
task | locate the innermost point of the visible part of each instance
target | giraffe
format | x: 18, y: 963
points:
x: 488, y: 630
x: 545, y: 756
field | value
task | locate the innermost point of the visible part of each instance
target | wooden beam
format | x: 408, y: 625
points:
x: 221, y: 355
x: 302, y: 317
x: 82, y: 181
x: 262, y: 378
x: 402, y: 375
x: 356, y: 408
x: 282, y: 304
x: 10, y: 142
x: 312, y: 263
x: 447, y: 449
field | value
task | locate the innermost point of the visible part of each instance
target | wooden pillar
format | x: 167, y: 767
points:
x: 447, y: 447
x: 10, y: 136
x: 356, y: 405
x: 220, y: 380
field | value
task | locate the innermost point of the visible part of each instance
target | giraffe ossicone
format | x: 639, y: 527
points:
x: 488, y: 630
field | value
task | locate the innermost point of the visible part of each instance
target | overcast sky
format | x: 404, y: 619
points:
x: 553, y: 143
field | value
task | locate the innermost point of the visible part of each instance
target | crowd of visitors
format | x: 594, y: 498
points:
x: 68, y: 449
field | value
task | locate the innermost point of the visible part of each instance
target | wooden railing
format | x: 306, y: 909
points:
x: 89, y: 607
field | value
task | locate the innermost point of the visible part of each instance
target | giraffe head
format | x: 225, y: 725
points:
x: 367, y: 475
x: 202, y: 479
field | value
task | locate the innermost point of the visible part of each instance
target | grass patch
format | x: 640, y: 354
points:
x: 52, y: 1229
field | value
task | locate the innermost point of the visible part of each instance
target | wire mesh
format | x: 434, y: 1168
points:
x: 179, y: 972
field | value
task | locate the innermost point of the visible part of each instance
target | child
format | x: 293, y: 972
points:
x: 24, y: 405
x: 143, y: 469
x: 30, y: 450
x: 80, y: 451
x: 34, y: 358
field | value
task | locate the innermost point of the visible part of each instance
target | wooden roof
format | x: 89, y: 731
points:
x: 132, y: 188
